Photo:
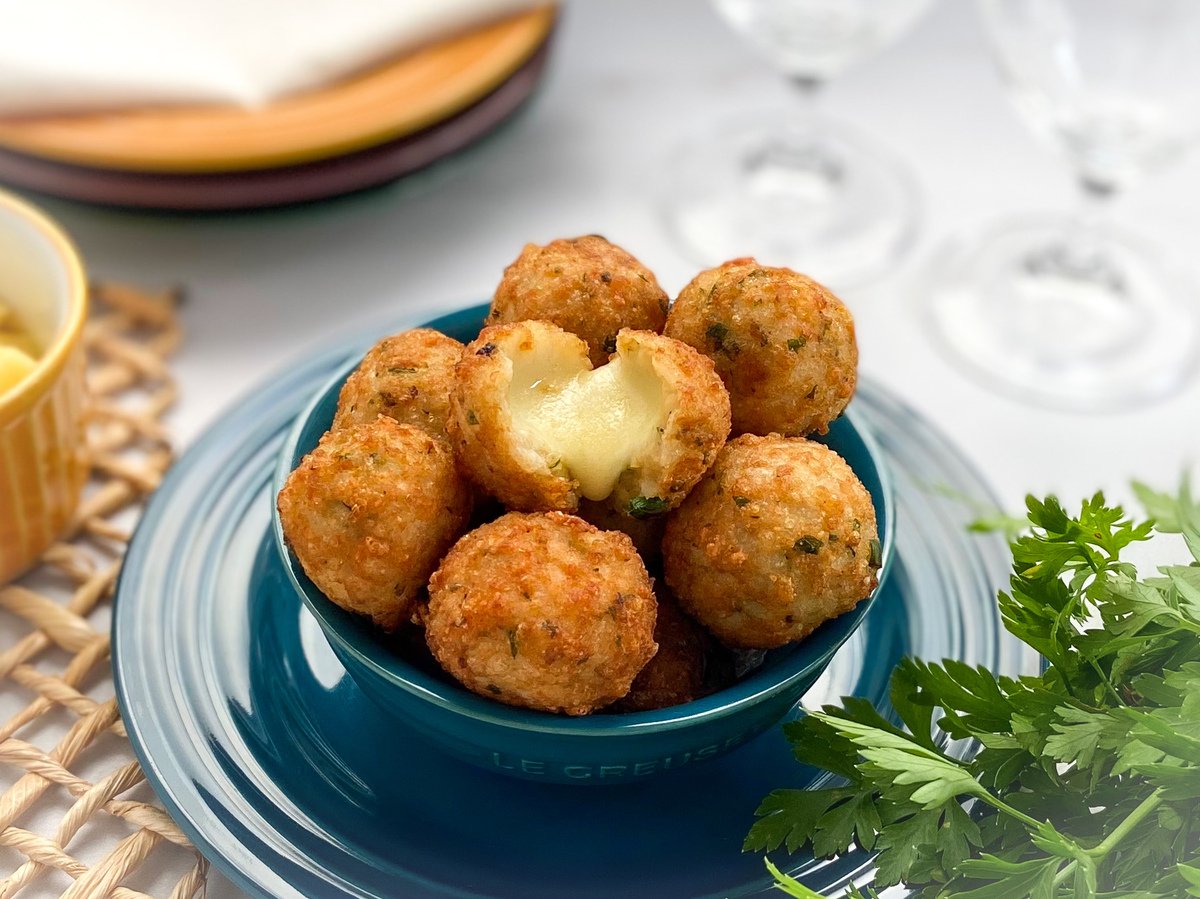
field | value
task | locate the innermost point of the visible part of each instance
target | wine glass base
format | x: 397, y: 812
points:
x: 1086, y: 321
x: 809, y: 195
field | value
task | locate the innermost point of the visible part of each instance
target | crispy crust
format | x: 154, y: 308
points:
x: 408, y: 377
x: 772, y: 543
x: 585, y: 285
x: 481, y: 426
x: 542, y: 611
x: 369, y: 513
x: 696, y: 427
x: 782, y: 343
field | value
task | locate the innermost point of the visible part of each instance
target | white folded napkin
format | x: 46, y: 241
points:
x: 77, y: 55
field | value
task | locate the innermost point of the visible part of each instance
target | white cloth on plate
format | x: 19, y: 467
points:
x: 76, y: 55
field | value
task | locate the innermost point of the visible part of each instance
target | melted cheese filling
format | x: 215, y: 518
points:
x: 595, y: 424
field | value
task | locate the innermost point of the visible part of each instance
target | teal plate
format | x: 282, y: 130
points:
x: 295, y: 784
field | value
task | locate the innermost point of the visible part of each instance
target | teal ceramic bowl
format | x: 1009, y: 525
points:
x: 596, y: 749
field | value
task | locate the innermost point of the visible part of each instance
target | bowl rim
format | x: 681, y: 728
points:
x: 455, y: 699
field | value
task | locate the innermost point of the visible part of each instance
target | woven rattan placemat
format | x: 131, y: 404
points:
x: 76, y: 816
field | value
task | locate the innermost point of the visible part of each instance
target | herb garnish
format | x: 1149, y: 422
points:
x: 646, y: 506
x: 808, y: 544
x: 718, y: 335
x: 1087, y: 779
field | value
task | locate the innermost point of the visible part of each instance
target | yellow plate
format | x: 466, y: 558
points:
x: 399, y: 98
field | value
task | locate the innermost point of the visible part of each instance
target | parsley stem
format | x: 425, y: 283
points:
x: 1109, y: 843
x: 1132, y: 820
x: 1108, y: 683
x: 1001, y: 806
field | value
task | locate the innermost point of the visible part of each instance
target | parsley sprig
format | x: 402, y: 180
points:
x: 1086, y: 782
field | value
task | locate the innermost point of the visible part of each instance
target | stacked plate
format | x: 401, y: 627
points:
x: 360, y: 132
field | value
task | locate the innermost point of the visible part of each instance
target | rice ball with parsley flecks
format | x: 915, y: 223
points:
x: 585, y: 285
x: 783, y: 344
x: 779, y: 537
x: 544, y: 611
x: 369, y: 513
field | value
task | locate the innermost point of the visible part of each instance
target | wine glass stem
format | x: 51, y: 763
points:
x: 1097, y: 200
x: 813, y: 167
x: 808, y: 87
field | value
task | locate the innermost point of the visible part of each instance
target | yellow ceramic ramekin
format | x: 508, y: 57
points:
x: 43, y: 460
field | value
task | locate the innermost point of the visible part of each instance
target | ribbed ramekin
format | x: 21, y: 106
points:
x: 43, y: 461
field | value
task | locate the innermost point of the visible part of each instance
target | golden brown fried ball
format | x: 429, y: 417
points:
x: 542, y: 611
x: 369, y: 513
x: 585, y: 285
x: 679, y: 671
x: 535, y: 426
x: 778, y: 538
x: 408, y: 377
x: 782, y: 343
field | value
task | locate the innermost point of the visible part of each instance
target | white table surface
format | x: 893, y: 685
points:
x: 628, y: 82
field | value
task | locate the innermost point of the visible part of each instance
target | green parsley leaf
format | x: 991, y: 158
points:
x: 642, y: 507
x: 1086, y: 777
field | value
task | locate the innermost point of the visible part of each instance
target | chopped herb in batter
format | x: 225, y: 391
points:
x: 718, y: 335
x: 808, y: 544
x: 646, y: 506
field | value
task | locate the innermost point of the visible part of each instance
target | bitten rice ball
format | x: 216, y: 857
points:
x: 537, y: 427
x: 408, y: 377
x: 778, y: 538
x: 543, y: 611
x: 782, y: 343
x: 369, y: 513
x: 585, y: 285
x: 680, y: 670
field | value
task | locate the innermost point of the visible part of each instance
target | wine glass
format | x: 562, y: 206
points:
x: 1069, y: 311
x: 799, y: 190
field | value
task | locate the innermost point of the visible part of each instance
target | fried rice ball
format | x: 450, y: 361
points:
x: 542, y: 611
x: 407, y: 377
x: 783, y: 344
x: 585, y: 285
x: 681, y: 670
x: 538, y: 428
x: 369, y: 513
x: 778, y: 538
